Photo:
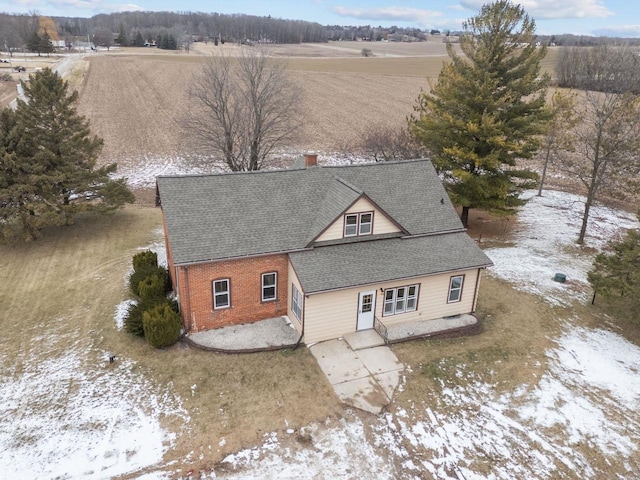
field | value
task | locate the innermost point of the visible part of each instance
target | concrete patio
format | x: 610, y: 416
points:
x: 270, y: 334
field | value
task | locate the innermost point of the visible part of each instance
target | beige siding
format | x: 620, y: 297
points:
x: 293, y: 279
x: 381, y: 223
x: 333, y: 314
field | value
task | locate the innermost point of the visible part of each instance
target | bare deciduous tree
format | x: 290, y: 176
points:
x: 243, y: 108
x: 607, y: 143
x: 557, y: 137
x: 603, y: 68
x: 607, y: 140
x: 383, y: 144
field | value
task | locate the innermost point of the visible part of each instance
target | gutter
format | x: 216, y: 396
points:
x: 472, y: 267
x: 241, y: 257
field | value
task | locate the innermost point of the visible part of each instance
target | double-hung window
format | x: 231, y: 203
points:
x: 221, y: 297
x: 296, y: 302
x: 356, y: 224
x: 455, y: 288
x: 400, y: 300
x: 269, y: 286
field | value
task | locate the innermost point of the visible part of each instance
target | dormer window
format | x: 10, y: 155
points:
x: 356, y: 224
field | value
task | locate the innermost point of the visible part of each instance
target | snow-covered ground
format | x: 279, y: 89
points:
x: 544, y: 243
x: 63, y: 419
x: 585, y: 401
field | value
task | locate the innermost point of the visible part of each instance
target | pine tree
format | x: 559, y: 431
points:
x: 34, y: 43
x: 47, y: 162
x: 122, y: 39
x: 46, y: 46
x: 616, y: 275
x: 486, y: 111
x: 138, y: 41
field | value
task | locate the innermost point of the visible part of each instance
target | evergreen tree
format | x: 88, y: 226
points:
x: 34, y: 43
x: 172, y: 43
x: 616, y: 275
x: 46, y: 46
x: 138, y: 41
x: 122, y: 38
x: 486, y: 111
x: 47, y: 162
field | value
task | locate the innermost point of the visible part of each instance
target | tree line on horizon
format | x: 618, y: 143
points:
x: 17, y: 29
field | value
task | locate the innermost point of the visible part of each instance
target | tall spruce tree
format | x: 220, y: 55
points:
x: 48, y: 162
x: 486, y: 111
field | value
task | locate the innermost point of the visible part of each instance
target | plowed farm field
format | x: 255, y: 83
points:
x: 136, y: 99
x: 136, y: 102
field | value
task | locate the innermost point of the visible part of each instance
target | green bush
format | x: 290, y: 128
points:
x: 145, y: 260
x: 153, y: 286
x: 161, y: 326
x: 133, y: 319
x: 140, y: 275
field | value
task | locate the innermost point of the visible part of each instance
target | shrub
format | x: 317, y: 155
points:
x: 153, y: 286
x: 145, y: 260
x: 161, y: 326
x: 133, y: 319
x: 366, y: 52
x: 140, y: 275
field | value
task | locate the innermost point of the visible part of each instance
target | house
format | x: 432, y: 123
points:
x: 335, y: 248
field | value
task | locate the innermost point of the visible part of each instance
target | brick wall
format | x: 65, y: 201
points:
x: 245, y: 275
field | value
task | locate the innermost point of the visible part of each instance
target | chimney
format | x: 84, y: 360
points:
x: 311, y: 160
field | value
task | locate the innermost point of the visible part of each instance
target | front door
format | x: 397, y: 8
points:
x: 366, y: 309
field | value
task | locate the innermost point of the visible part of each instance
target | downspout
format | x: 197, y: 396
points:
x: 302, y: 333
x: 186, y: 294
x: 475, y: 292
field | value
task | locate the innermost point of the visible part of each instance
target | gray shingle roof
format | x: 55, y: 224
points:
x: 212, y: 217
x: 348, y: 265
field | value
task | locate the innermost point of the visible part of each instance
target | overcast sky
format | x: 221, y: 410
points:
x: 585, y: 17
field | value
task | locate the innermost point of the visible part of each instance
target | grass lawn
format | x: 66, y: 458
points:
x: 59, y: 295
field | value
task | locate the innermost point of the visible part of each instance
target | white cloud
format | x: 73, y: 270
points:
x: 625, y: 31
x: 549, y: 9
x: 72, y: 8
x: 389, y: 14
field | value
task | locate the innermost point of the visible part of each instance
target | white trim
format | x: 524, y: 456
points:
x: 274, y: 286
x: 226, y: 292
x: 457, y: 289
x: 395, y: 304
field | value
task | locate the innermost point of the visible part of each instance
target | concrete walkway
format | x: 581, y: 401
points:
x: 363, y: 372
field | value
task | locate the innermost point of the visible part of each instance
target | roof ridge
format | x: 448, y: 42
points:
x: 348, y: 185
x: 371, y: 164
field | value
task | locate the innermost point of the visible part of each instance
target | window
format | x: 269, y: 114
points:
x: 455, y: 288
x: 296, y: 302
x: 366, y: 303
x: 366, y: 219
x: 221, y: 298
x: 400, y: 300
x: 356, y: 224
x: 350, y: 225
x: 269, y: 286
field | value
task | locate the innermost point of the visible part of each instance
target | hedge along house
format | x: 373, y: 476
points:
x: 337, y: 249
